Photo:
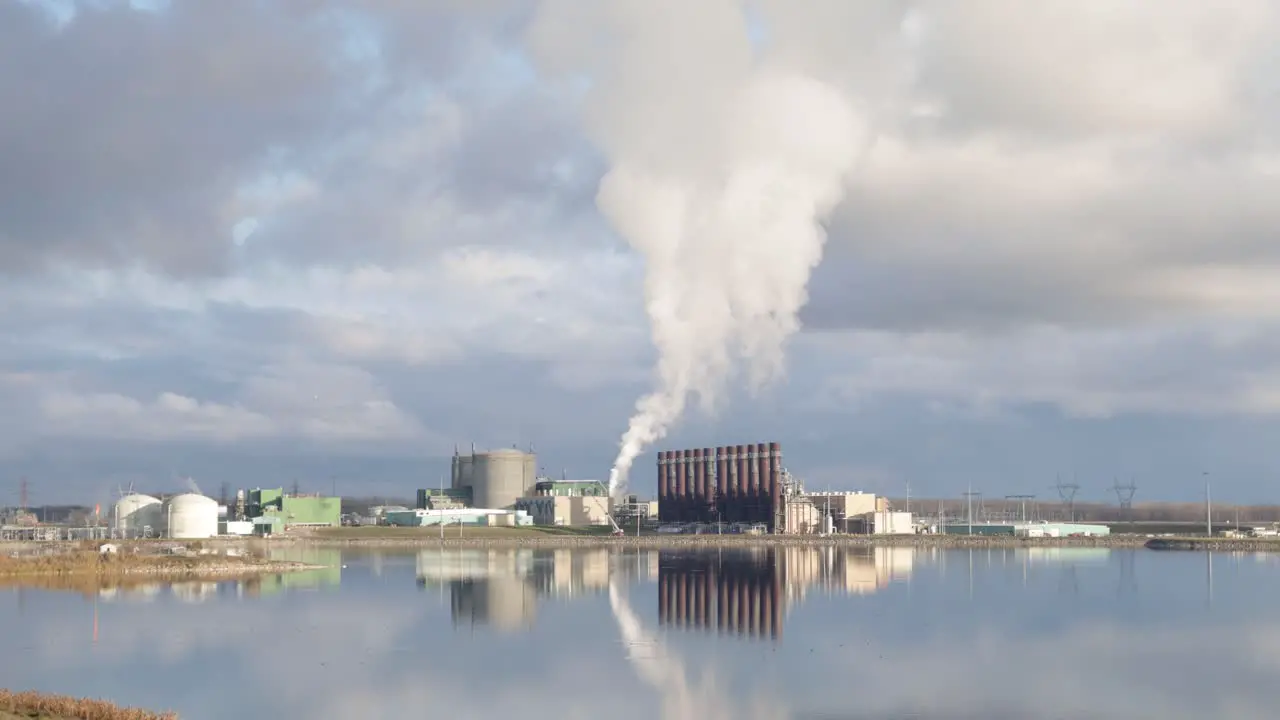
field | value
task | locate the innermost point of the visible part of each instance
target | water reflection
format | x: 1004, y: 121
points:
x: 500, y: 587
x: 882, y: 632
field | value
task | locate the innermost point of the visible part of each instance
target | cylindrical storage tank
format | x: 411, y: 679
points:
x: 134, y: 512
x: 465, y: 471
x: 190, y: 517
x: 500, y: 477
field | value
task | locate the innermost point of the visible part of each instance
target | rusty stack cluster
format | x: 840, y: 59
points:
x: 732, y: 595
x: 734, y: 483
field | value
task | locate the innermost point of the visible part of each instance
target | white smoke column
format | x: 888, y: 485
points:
x: 722, y: 167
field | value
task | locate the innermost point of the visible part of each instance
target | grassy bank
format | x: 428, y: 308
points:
x: 86, y: 569
x: 32, y: 705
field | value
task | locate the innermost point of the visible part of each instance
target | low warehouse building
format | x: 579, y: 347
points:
x: 457, y: 516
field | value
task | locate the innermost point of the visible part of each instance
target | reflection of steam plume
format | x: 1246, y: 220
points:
x: 666, y: 673
x: 735, y: 592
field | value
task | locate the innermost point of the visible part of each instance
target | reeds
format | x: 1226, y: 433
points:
x: 62, y: 707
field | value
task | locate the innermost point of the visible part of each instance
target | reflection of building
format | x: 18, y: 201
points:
x: 501, y: 587
x: 747, y: 592
x: 737, y: 592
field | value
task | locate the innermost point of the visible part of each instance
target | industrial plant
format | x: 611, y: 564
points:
x: 503, y: 488
x: 745, y: 488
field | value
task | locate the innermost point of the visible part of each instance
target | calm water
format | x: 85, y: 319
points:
x: 796, y: 633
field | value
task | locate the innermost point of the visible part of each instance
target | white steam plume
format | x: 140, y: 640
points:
x: 722, y: 167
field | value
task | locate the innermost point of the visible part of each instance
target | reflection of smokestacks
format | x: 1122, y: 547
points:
x: 735, y: 592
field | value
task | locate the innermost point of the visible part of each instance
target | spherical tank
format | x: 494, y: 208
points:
x: 134, y: 512
x: 191, y: 517
x: 500, y: 477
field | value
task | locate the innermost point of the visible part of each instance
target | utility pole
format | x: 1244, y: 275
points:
x: 441, y: 518
x: 969, y: 496
x: 1208, y: 507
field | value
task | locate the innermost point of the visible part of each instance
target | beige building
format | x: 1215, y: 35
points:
x: 572, y: 511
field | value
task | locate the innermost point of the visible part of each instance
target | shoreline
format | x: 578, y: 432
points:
x: 677, y: 542
x: 80, y: 568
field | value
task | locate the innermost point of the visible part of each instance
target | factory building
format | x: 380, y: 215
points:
x: 288, y: 510
x: 425, y: 517
x: 493, y: 479
x: 732, y: 484
x: 571, y: 510
x: 736, y: 592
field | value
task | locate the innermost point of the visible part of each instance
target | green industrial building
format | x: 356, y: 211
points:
x: 444, y: 499
x: 569, y: 488
x: 294, y: 510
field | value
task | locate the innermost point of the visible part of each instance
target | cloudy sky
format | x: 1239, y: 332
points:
x: 255, y: 241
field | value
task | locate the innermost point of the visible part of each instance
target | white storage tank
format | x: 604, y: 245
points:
x: 134, y: 511
x: 191, y: 517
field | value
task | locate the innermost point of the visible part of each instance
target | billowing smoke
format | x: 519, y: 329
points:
x: 723, y: 164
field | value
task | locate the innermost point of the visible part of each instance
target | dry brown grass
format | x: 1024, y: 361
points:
x: 90, y: 562
x: 60, y: 707
x: 87, y: 571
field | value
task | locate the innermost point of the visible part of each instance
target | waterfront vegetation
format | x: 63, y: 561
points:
x: 40, y: 706
x: 85, y: 569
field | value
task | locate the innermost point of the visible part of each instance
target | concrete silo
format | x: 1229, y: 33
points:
x: 190, y: 517
x: 134, y: 512
x: 500, y: 477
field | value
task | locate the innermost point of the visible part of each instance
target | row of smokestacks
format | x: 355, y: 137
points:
x: 736, y: 598
x: 732, y: 484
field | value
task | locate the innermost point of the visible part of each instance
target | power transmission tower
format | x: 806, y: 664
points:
x: 1023, y: 500
x: 1067, y: 491
x: 1124, y: 495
